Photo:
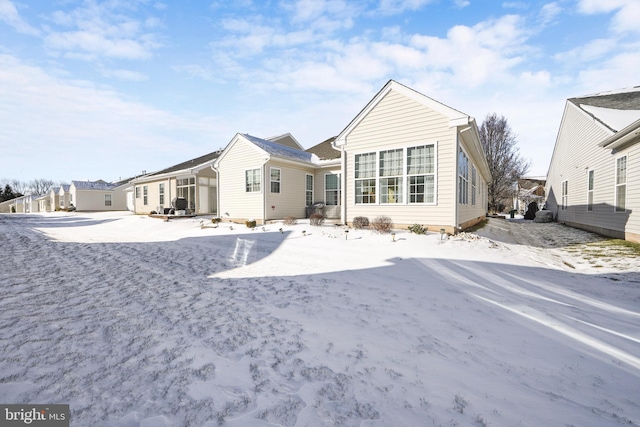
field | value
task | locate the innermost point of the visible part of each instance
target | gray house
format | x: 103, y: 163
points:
x: 593, y: 181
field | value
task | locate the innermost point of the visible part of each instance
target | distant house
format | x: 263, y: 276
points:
x: 65, y: 200
x: 7, y: 206
x: 54, y: 198
x: 44, y: 203
x: 530, y: 189
x: 594, y: 176
x: 264, y: 179
x: 97, y: 196
x: 193, y: 180
x: 414, y: 160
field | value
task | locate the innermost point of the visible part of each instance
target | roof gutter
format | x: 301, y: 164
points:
x: 622, y: 137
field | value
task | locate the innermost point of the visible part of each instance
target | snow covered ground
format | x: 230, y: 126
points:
x: 137, y: 322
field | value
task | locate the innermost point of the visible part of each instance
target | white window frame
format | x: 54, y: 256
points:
x: 273, y: 181
x: 161, y: 194
x: 308, y: 193
x: 145, y: 195
x: 565, y: 195
x: 621, y: 183
x: 391, y: 177
x: 473, y: 185
x: 337, y: 191
x: 252, y: 180
x: 591, y: 177
x: 372, y: 179
x: 463, y: 177
x: 107, y: 199
x: 137, y: 191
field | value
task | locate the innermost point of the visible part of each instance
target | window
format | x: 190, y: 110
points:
x: 565, y: 195
x: 420, y: 172
x: 107, y: 199
x: 332, y: 189
x: 309, y: 190
x: 590, y: 192
x: 391, y: 176
x: 70, y: 197
x: 621, y: 184
x: 137, y: 192
x: 186, y: 188
x: 145, y: 195
x: 252, y: 180
x: 365, y: 174
x: 463, y: 178
x: 161, y: 194
x: 473, y: 185
x: 275, y: 180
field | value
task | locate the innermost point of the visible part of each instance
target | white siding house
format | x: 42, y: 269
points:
x: 97, y: 196
x: 263, y: 180
x: 193, y: 180
x: 594, y: 175
x: 65, y: 200
x: 414, y: 160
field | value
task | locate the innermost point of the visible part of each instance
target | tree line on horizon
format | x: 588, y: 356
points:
x: 11, y: 189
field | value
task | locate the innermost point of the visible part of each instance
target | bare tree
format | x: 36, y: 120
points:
x: 19, y: 186
x: 40, y: 186
x: 505, y: 163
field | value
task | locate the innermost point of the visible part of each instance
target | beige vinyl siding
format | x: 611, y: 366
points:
x: 291, y: 199
x: 400, y: 122
x: 469, y: 212
x: 576, y: 153
x: 235, y: 202
x: 153, y: 195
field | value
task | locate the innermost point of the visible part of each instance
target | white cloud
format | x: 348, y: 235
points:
x: 626, y: 17
x: 392, y: 7
x: 102, y: 29
x: 9, y: 14
x: 550, y: 12
x: 127, y: 75
x: 460, y: 4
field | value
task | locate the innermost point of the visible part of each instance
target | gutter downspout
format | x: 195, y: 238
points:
x: 343, y: 185
x: 456, y: 180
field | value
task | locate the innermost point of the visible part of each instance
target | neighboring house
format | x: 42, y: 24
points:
x: 530, y: 189
x: 44, y: 203
x: 65, y: 200
x: 594, y: 176
x: 193, y: 180
x: 6, y: 206
x: 414, y: 160
x: 54, y: 198
x: 98, y: 196
x: 263, y: 180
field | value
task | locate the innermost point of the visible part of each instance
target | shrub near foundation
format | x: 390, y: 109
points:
x: 316, y: 219
x: 360, y: 222
x: 382, y: 224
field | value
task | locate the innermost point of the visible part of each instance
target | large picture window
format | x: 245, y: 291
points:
x: 621, y: 184
x: 332, y: 189
x: 252, y: 180
x: 275, y: 180
x: 365, y: 177
x: 186, y: 188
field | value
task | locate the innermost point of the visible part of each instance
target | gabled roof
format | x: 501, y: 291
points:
x: 325, y: 150
x: 93, y: 185
x: 279, y: 150
x: 615, y: 109
x: 286, y: 139
x: 184, y: 166
x: 456, y: 118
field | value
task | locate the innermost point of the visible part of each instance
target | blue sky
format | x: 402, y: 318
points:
x: 106, y: 89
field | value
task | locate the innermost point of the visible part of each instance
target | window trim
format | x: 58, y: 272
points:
x: 110, y: 201
x: 404, y: 177
x: 161, y: 194
x: 616, y: 209
x: 463, y: 180
x: 591, y: 179
x: 564, y: 195
x: 255, y: 185
x: 309, y: 202
x: 272, y: 181
x: 338, y: 190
